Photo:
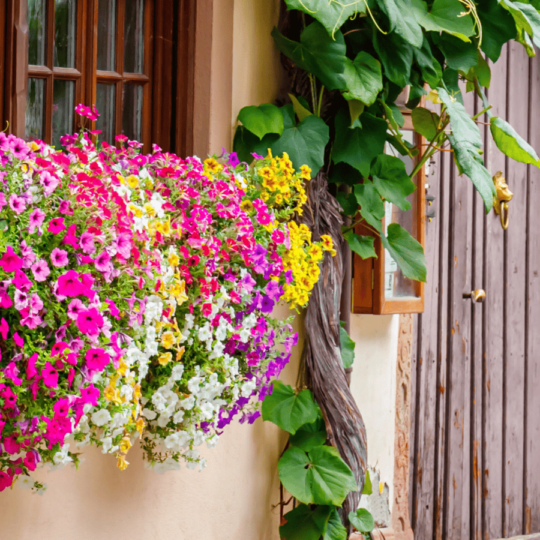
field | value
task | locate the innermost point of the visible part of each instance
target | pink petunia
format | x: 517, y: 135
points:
x: 31, y: 370
x: 5, y: 480
x: 103, y: 262
x: 28, y: 255
x: 70, y: 238
x: 70, y: 285
x: 123, y: 245
x: 61, y: 407
x: 36, y: 220
x: 21, y: 281
x: 2, y: 200
x: 4, y: 328
x: 19, y: 341
x: 21, y: 300
x: 90, y: 321
x: 50, y: 376
x: 65, y: 208
x: 97, y: 359
x: 31, y: 460
x: 11, y: 372
x: 10, y: 261
x: 59, y: 257
x: 36, y: 303
x: 90, y: 395
x: 86, y: 242
x: 18, y: 147
x: 56, y: 225
x: 17, y: 204
x: 75, y: 307
x: 41, y: 270
x: 49, y: 182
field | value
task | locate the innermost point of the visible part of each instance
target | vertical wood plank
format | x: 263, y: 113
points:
x: 3, y: 13
x: 492, y: 337
x: 514, y: 324
x: 532, y: 380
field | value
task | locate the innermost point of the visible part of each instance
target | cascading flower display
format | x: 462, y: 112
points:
x: 136, y: 298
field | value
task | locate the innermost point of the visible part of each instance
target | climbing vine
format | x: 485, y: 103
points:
x: 349, y: 64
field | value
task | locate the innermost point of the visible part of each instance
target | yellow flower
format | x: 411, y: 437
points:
x: 265, y: 196
x: 279, y: 198
x: 174, y: 260
x: 178, y: 290
x: 110, y: 393
x: 168, y: 340
x: 327, y: 242
x: 315, y: 252
x: 122, y: 464
x: 139, y: 425
x: 132, y: 181
x: 212, y: 165
x: 181, y: 352
x: 136, y: 210
x: 247, y: 206
x: 150, y: 210
x: 125, y: 445
x: 267, y: 173
x: 122, y: 368
x: 165, y: 358
x: 137, y: 392
x: 305, y: 172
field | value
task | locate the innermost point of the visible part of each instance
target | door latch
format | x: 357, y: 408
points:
x: 501, y: 199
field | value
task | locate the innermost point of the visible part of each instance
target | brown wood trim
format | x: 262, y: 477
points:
x: 3, y: 32
x: 108, y: 76
x: 39, y: 71
x: 146, y: 130
x: 63, y: 73
x: 119, y: 44
x: 135, y: 77
x: 90, y: 68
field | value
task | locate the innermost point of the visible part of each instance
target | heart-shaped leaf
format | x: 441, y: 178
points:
x: 261, y: 120
x: 362, y: 520
x: 335, y: 529
x: 305, y: 143
x: 425, y: 122
x: 305, y: 523
x: 287, y: 409
x: 371, y: 205
x: 402, y: 20
x: 498, y: 27
x: 511, y: 144
x: 309, y: 436
x: 445, y: 16
x: 245, y: 143
x: 319, y: 477
x: 391, y: 180
x: 362, y: 246
x: 363, y: 76
x: 406, y: 251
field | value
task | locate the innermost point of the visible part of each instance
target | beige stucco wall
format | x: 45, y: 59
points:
x: 232, y: 498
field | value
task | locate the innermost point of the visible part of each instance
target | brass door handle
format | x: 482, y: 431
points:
x: 478, y: 295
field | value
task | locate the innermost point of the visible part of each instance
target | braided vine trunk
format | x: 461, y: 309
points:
x: 324, y: 372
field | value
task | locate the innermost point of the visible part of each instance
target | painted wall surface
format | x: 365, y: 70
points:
x: 232, y: 498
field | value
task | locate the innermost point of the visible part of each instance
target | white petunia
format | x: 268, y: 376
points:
x: 149, y: 414
x: 177, y: 372
x: 101, y: 417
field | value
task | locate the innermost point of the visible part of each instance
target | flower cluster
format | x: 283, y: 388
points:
x: 136, y: 298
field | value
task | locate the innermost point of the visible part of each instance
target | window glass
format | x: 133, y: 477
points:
x: 35, y: 105
x: 106, y: 44
x: 105, y: 103
x: 132, y: 111
x: 65, y: 32
x: 134, y: 37
x: 63, y: 108
x: 37, y: 29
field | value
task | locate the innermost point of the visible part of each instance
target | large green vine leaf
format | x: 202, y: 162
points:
x: 425, y: 122
x: 261, y: 120
x: 527, y: 21
x: 511, y: 144
x: 309, y: 436
x: 364, y: 78
x: 396, y: 56
x: 463, y: 127
x: 362, y: 520
x: 289, y: 410
x: 332, y: 14
x: 391, y: 180
x: 319, y: 477
x: 459, y: 55
x: 246, y: 142
x: 406, y: 251
x: 429, y: 65
x: 335, y: 529
x: 358, y: 146
x: 305, y: 143
x: 402, y: 20
x: 371, y: 205
x: 498, y: 27
x: 445, y: 16
x: 347, y: 345
x: 317, y: 53
x: 305, y: 523
x: 362, y: 246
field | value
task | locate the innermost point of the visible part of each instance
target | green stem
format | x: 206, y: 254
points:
x: 320, y: 101
x: 483, y: 111
x: 313, y: 86
x: 430, y: 150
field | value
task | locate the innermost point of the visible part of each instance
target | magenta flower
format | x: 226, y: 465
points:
x: 11, y: 372
x: 19, y: 341
x: 17, y: 204
x: 49, y: 183
x: 40, y: 270
x: 28, y: 255
x: 123, y: 245
x: 113, y: 310
x: 59, y: 257
x: 86, y: 242
x: 50, y: 376
x: 10, y: 261
x: 90, y: 395
x: 69, y: 284
x: 10, y: 399
x: 31, y: 460
x: 36, y: 220
x: 56, y: 225
x: 90, y: 321
x: 32, y: 321
x: 75, y: 307
x: 36, y: 303
x: 4, y: 328
x: 61, y: 407
x: 18, y: 148
x: 31, y: 370
x: 21, y: 282
x: 70, y: 238
x: 97, y: 359
x: 5, y: 480
x: 2, y: 200
x: 65, y: 208
x: 21, y: 300
x: 103, y: 262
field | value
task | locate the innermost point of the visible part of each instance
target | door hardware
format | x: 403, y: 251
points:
x: 478, y: 295
x: 501, y: 199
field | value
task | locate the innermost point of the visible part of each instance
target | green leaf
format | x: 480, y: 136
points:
x: 362, y: 520
x: 261, y: 120
x: 425, y: 122
x: 309, y: 435
x: 396, y: 56
x: 459, y: 55
x: 430, y: 67
x: 391, y: 180
x: 511, y: 144
x: 498, y: 27
x: 317, y: 53
x: 451, y: 83
x: 368, y: 488
x: 287, y: 409
x: 445, y: 16
x: 319, y: 477
x: 289, y: 116
x: 358, y: 146
x: 364, y: 78
x: 402, y: 20
x: 305, y: 523
x: 335, y: 529
x: 331, y: 14
x: 356, y: 108
x: 246, y: 142
x: 299, y: 109
x: 361, y: 245
x: 342, y: 173
x: 463, y: 127
x: 406, y: 251
x: 347, y: 346
x: 371, y: 205
x: 305, y: 143
x: 527, y: 21
x: 348, y: 203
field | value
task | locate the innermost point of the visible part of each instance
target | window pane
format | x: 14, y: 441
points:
x: 106, y: 96
x: 35, y: 106
x: 132, y: 111
x: 106, y: 45
x: 134, y: 37
x: 37, y: 27
x: 65, y: 30
x: 63, y: 105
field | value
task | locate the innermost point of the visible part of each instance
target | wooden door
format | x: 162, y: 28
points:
x: 475, y: 440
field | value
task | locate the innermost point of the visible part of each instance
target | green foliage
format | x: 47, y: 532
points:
x: 362, y: 520
x: 319, y: 476
x: 391, y: 180
x: 261, y: 120
x: 287, y: 409
x: 406, y: 251
x: 347, y: 347
x: 305, y: 523
x: 309, y: 436
x: 425, y: 122
x: 444, y: 16
x: 368, y: 488
x: 511, y: 144
x: 361, y: 245
x: 335, y: 529
x: 363, y: 77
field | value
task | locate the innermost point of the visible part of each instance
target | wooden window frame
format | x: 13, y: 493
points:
x: 368, y: 274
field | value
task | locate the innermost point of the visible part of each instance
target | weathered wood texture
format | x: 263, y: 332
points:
x: 475, y: 438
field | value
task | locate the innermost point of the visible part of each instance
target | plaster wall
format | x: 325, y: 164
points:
x: 233, y: 497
